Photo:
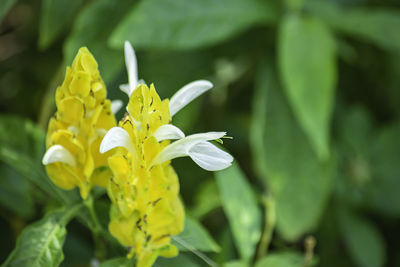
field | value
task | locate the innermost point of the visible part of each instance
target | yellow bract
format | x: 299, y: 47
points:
x: 146, y: 210
x: 83, y: 116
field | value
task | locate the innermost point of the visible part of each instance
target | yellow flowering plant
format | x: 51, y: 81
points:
x: 85, y: 147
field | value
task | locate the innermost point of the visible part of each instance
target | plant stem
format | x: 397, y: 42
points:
x: 99, y: 243
x: 269, y: 225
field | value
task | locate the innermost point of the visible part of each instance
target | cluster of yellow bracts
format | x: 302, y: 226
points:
x: 146, y: 210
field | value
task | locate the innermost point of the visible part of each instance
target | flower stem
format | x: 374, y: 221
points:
x: 269, y: 225
x: 99, y: 242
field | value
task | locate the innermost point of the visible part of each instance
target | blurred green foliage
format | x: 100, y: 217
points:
x: 309, y: 90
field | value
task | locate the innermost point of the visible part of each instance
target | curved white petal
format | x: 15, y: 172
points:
x: 125, y: 88
x: 116, y: 137
x: 210, y: 157
x: 186, y: 94
x: 58, y: 153
x: 116, y: 105
x: 168, y: 131
x: 181, y: 147
x: 131, y: 66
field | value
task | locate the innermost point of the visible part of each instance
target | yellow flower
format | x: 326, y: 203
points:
x: 74, y: 134
x: 146, y: 210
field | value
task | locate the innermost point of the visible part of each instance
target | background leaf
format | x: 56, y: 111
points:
x: 55, y: 18
x: 41, y: 243
x: 117, y: 262
x: 5, y: 7
x: 362, y: 239
x: 92, y: 28
x: 308, y: 70
x: 243, y: 213
x: 195, y: 236
x: 283, y: 259
x: 189, y: 24
x: 378, y: 26
x: 286, y: 162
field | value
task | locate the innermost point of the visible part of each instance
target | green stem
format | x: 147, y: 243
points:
x: 99, y: 242
x: 269, y: 225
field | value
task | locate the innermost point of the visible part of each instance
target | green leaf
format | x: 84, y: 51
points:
x: 378, y: 26
x: 281, y: 259
x: 55, y: 18
x: 241, y: 208
x: 181, y: 260
x: 118, y: 262
x: 308, y: 68
x: 235, y: 264
x: 22, y: 147
x: 92, y: 28
x: 285, y: 161
x: 195, y: 236
x: 190, y: 24
x: 362, y: 239
x: 15, y: 192
x: 40, y: 244
x: 206, y: 200
x: 5, y: 7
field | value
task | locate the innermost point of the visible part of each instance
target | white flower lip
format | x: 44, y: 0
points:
x: 58, y: 153
x: 131, y: 66
x: 117, y: 137
x: 186, y: 94
x: 168, y: 131
x: 205, y: 154
x: 210, y: 157
x: 116, y: 105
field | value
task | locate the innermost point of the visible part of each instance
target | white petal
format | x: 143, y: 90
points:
x: 168, y: 131
x: 186, y: 94
x: 210, y: 157
x: 125, y: 88
x: 116, y: 105
x: 58, y: 153
x: 131, y: 66
x: 181, y: 147
x: 116, y: 137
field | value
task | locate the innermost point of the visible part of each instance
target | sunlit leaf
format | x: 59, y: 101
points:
x: 55, y: 18
x: 190, y: 24
x: 241, y: 208
x: 285, y: 160
x: 363, y: 240
x: 195, y: 236
x: 308, y: 69
x: 40, y: 244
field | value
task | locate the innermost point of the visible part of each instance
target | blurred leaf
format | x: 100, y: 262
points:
x: 55, y: 17
x: 92, y: 28
x: 206, y: 199
x: 118, y: 262
x: 22, y: 147
x: 190, y: 24
x: 363, y: 240
x: 286, y: 162
x: 281, y: 259
x: 308, y: 68
x: 196, y: 236
x: 383, y: 189
x: 5, y: 7
x: 241, y: 208
x: 15, y: 192
x: 378, y: 26
x: 235, y: 264
x: 40, y: 244
x: 181, y: 260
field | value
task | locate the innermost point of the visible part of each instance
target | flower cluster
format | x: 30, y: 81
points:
x: 74, y: 133
x: 146, y: 210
